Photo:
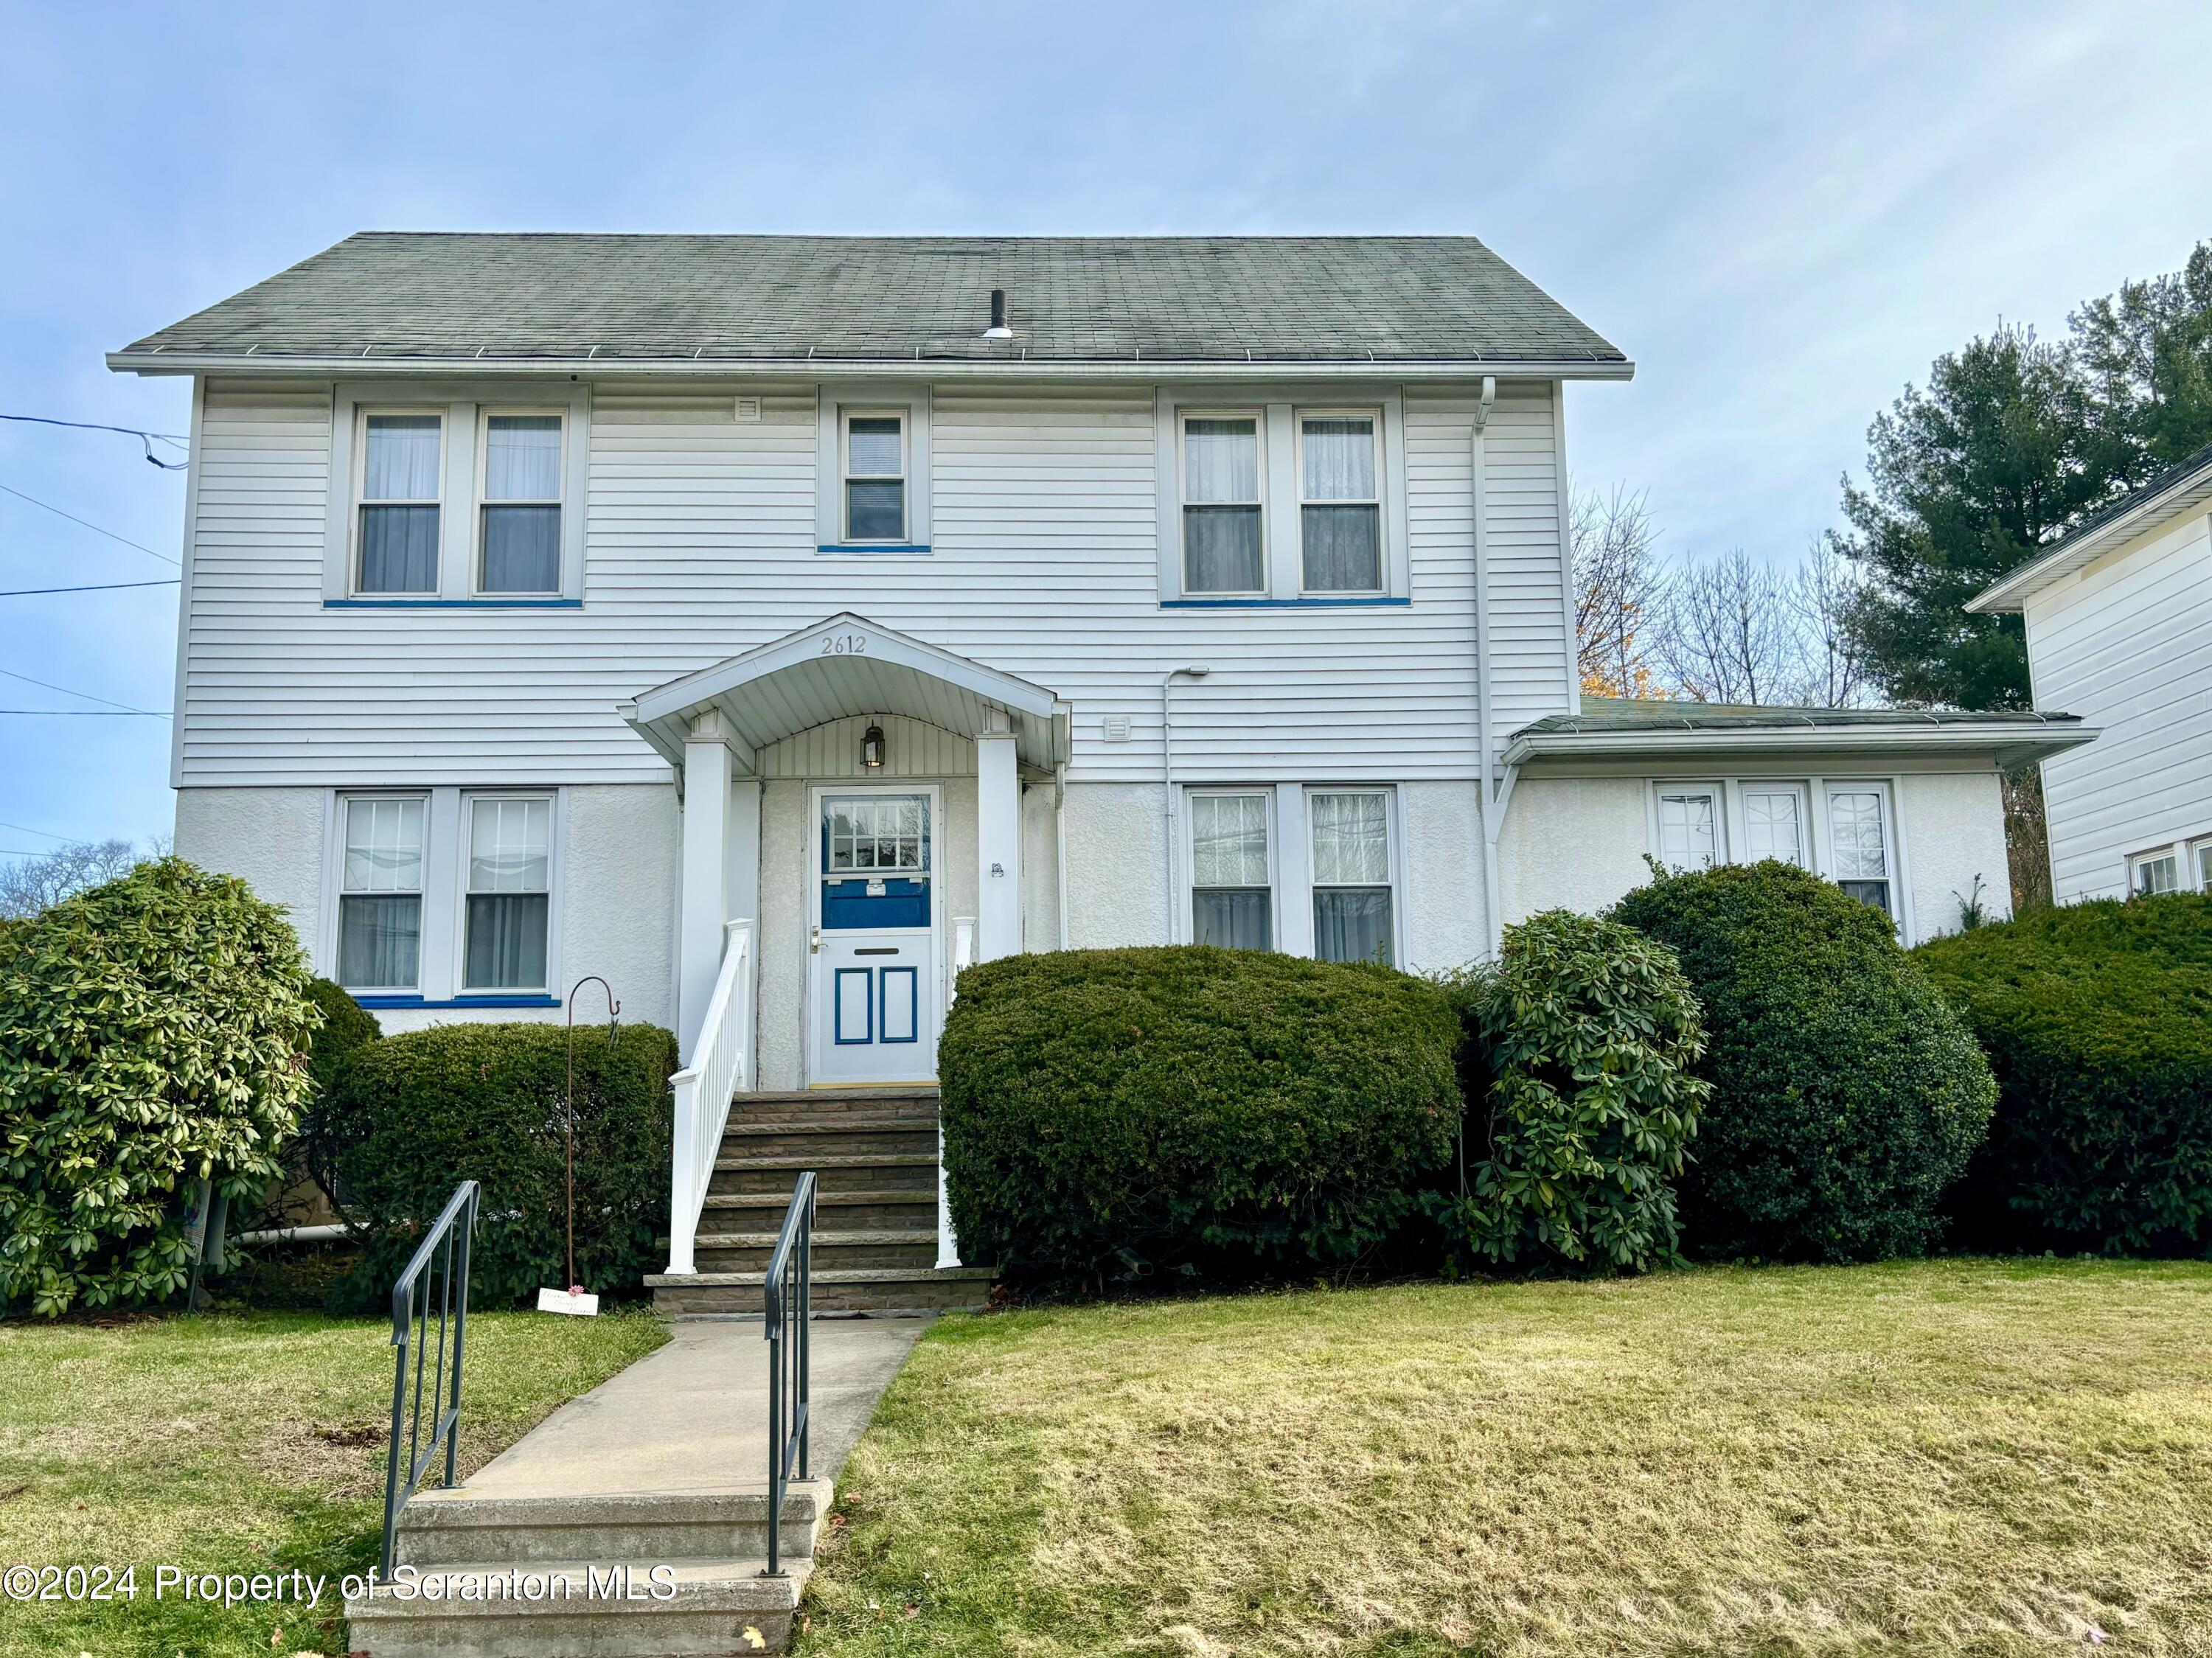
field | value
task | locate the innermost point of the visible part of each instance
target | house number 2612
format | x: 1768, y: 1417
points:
x: 845, y: 644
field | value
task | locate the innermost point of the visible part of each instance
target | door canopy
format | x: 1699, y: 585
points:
x: 841, y: 668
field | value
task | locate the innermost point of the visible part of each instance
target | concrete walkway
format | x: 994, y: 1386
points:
x: 692, y: 1417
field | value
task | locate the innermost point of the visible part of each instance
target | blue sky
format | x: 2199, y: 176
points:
x: 1781, y: 212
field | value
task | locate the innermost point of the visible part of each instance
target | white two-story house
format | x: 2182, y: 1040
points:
x: 772, y: 624
x: 2119, y: 615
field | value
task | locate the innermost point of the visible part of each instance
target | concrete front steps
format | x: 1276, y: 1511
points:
x: 572, y: 1576
x: 874, y: 1154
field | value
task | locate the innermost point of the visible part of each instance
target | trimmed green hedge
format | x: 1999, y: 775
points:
x: 1122, y: 1111
x: 151, y: 1033
x: 2098, y: 1018
x: 1580, y: 1096
x: 1846, y: 1095
x: 346, y: 1025
x: 414, y: 1115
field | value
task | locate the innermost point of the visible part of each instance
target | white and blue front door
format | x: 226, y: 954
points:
x: 873, y: 944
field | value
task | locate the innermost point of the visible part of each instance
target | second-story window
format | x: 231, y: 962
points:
x: 875, y: 477
x: 399, y: 544
x: 1339, y: 512
x: 521, y: 549
x: 1222, y: 543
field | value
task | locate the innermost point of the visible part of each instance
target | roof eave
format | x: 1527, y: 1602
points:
x: 1147, y: 369
x: 2182, y: 496
x: 2007, y: 741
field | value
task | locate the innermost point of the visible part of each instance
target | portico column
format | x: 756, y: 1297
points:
x: 703, y: 905
x: 998, y: 843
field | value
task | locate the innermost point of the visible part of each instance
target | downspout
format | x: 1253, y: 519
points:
x: 1059, y: 850
x: 1195, y: 670
x: 1493, y: 808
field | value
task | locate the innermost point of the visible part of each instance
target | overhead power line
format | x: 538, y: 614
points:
x: 94, y: 587
x: 47, y: 685
x: 147, y: 438
x: 89, y: 525
x: 25, y: 828
x: 91, y: 713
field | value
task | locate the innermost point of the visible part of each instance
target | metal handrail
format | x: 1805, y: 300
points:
x: 787, y: 1306
x: 411, y: 1301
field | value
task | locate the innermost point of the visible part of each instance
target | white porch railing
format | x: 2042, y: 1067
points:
x: 963, y: 955
x: 721, y: 1066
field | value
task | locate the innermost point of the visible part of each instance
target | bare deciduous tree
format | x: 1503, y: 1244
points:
x: 1618, y: 590
x: 29, y: 884
x: 1730, y: 633
x: 1832, y: 665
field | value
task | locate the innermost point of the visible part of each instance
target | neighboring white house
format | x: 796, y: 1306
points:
x: 2118, y: 614
x: 553, y: 603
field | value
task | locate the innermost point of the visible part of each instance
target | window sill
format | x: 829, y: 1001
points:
x: 1314, y: 603
x: 452, y: 604
x: 489, y: 1000
x: 909, y: 549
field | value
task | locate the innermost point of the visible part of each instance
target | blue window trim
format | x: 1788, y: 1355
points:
x: 866, y: 547
x: 1275, y: 603
x: 459, y: 1001
x: 452, y: 604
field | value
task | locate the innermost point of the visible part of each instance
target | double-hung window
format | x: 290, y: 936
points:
x: 1352, y: 877
x: 874, y: 446
x: 381, y: 894
x: 2152, y: 874
x: 2202, y: 853
x: 398, y: 541
x: 509, y: 888
x: 1774, y: 825
x: 1223, y: 544
x: 1339, y: 510
x: 1689, y: 826
x: 521, y: 512
x: 1859, y: 854
x: 1232, y: 885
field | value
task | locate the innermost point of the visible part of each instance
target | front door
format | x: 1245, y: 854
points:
x: 874, y: 940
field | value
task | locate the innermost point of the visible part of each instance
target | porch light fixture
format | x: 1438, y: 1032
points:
x: 872, y: 748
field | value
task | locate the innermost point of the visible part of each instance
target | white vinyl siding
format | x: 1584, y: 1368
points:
x: 2127, y: 646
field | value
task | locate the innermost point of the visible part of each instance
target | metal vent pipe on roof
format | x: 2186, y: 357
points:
x: 998, y: 329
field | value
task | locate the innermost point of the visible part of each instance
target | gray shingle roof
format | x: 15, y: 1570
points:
x: 1610, y: 714
x: 1195, y: 299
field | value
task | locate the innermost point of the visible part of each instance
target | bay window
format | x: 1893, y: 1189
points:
x: 397, y: 525
x: 1339, y: 510
x: 381, y: 894
x: 1352, y: 877
x: 1232, y: 886
x: 521, y: 510
x: 509, y: 893
x: 1221, y: 533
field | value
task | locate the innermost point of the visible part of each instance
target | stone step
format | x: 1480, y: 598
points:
x: 864, y: 1171
x: 844, y: 1137
x: 846, y: 1211
x: 911, y: 1248
x: 868, y: 1290
x: 439, y: 1527
x: 712, y: 1608
x: 826, y: 1105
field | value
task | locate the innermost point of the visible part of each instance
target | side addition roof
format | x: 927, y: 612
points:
x: 1640, y: 728
x: 2181, y: 489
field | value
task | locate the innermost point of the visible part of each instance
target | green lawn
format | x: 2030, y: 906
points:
x: 246, y: 1443
x: 1967, y: 1457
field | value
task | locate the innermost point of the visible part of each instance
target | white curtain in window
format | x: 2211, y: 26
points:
x: 1338, y: 459
x: 384, y: 846
x: 380, y: 903
x: 1229, y: 840
x: 1351, y: 839
x: 508, y: 845
x: 522, y: 457
x: 1772, y: 826
x: 1221, y: 461
x: 1861, y: 852
x: 403, y: 458
x: 1688, y: 832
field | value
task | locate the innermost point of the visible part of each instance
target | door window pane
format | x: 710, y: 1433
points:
x: 1773, y: 825
x: 380, y: 896
x: 887, y: 832
x: 1860, y: 855
x: 509, y: 903
x: 399, y: 505
x: 1340, y: 516
x: 1232, y: 903
x: 1352, y: 877
x: 1221, y: 507
x: 1689, y: 829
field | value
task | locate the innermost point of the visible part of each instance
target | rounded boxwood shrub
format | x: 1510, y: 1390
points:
x: 151, y: 1033
x: 1580, y: 1096
x: 2098, y: 1019
x: 1120, y: 1111
x: 1846, y: 1095
x: 413, y: 1116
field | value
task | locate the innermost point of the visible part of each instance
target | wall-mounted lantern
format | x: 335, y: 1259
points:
x: 872, y: 748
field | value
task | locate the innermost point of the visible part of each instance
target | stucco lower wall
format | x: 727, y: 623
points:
x: 1441, y: 861
x: 1572, y: 843
x: 1952, y: 825
x: 1116, y: 866
x: 271, y: 839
